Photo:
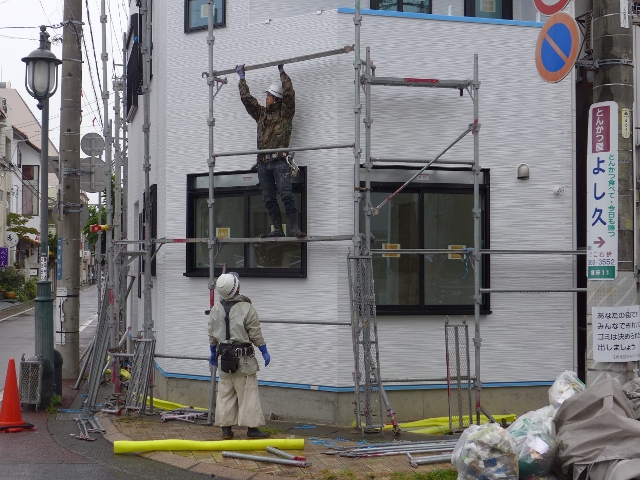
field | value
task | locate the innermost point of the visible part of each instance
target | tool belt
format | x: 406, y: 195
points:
x: 270, y: 157
x: 236, y: 350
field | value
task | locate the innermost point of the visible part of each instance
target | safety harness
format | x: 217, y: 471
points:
x: 231, y: 352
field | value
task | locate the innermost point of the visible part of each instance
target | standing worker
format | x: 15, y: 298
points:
x: 275, y: 122
x: 233, y: 328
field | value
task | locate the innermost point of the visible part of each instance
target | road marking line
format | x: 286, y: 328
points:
x: 16, y: 314
x: 89, y: 322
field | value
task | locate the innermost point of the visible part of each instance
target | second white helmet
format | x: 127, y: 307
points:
x: 275, y: 89
x: 228, y: 284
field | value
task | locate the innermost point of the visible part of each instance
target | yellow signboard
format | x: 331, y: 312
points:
x: 391, y: 246
x: 223, y: 232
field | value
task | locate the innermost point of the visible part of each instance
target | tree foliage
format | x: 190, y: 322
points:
x: 18, y: 223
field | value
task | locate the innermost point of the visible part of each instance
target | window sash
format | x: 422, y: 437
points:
x: 196, y: 15
x: 432, y: 217
x: 258, y: 259
x: 498, y: 9
x: 410, y: 6
x: 30, y: 203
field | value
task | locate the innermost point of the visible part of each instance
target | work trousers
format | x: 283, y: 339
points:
x: 238, y: 402
x: 275, y: 177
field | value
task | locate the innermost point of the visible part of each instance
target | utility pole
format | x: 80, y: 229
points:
x: 613, y: 51
x: 69, y: 227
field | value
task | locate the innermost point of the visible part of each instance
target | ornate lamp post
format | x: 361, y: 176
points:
x: 41, y: 80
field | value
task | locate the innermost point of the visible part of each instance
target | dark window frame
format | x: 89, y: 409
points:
x: 193, y: 194
x: 188, y: 29
x: 507, y: 9
x: 485, y: 281
x: 375, y: 5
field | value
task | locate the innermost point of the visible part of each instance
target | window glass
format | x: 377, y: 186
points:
x: 448, y: 223
x: 30, y: 201
x: 229, y: 224
x: 413, y: 6
x: 270, y: 255
x: 240, y: 213
x: 489, y: 8
x: 396, y: 226
x: 198, y: 14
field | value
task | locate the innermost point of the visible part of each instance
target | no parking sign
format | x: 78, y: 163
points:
x: 557, y: 47
x: 549, y: 7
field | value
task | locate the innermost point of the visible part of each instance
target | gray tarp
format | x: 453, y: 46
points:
x: 597, y: 429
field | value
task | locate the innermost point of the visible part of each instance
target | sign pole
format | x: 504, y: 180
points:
x: 613, y: 86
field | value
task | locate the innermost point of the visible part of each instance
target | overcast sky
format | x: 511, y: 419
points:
x: 20, y: 22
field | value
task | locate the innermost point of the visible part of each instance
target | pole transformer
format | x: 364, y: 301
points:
x: 69, y: 232
x: 613, y: 57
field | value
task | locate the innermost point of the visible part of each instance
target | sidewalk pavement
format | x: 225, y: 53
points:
x: 318, y: 439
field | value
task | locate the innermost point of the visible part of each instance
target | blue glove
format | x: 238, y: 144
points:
x: 212, y: 359
x: 281, y: 68
x: 240, y: 71
x: 265, y: 354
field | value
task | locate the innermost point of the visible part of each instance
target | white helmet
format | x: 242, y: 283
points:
x: 275, y: 89
x: 228, y: 284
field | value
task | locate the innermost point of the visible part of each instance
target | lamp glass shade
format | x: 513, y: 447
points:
x: 40, y: 77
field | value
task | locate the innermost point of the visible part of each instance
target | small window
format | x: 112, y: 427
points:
x: 30, y: 201
x: 240, y: 213
x: 196, y: 14
x: 499, y: 9
x: 411, y: 6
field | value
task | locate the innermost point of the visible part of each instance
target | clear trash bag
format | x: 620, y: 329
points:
x: 486, y: 451
x: 566, y: 385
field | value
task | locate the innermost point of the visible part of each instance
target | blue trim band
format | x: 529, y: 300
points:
x: 326, y: 388
x: 446, y: 18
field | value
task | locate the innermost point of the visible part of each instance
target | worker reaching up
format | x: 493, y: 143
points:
x: 275, y: 123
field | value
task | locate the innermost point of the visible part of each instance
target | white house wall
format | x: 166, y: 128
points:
x: 527, y: 338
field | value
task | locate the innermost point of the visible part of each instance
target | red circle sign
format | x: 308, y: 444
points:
x: 549, y: 7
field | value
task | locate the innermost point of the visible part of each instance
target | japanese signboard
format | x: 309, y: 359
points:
x: 602, y: 192
x: 616, y: 333
x: 4, y: 257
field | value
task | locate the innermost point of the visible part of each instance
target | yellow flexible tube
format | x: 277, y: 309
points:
x: 131, y: 446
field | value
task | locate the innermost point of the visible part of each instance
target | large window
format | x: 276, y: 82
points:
x: 30, y: 203
x: 196, y: 14
x: 240, y: 213
x: 501, y: 9
x: 427, y: 216
x: 412, y: 6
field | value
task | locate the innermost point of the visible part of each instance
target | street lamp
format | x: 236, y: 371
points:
x: 41, y: 80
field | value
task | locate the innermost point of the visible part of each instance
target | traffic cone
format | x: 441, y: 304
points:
x: 10, y: 414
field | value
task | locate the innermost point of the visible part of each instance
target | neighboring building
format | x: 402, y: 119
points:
x: 25, y: 176
x: 527, y: 339
x: 5, y: 176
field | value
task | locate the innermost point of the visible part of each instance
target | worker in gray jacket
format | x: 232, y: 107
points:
x: 233, y: 330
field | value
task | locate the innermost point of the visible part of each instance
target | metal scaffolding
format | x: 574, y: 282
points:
x: 369, y: 390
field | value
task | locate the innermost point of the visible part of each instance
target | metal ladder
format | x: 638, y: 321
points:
x: 364, y: 332
x: 98, y: 354
x: 140, y: 374
x: 458, y: 375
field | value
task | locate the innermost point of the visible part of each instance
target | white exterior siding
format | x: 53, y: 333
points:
x: 526, y: 338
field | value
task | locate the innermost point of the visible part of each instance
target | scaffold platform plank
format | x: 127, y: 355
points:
x: 419, y: 82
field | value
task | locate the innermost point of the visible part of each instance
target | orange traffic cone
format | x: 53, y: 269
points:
x: 10, y: 414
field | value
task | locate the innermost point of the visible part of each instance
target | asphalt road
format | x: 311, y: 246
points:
x: 17, y: 334
x: 50, y: 451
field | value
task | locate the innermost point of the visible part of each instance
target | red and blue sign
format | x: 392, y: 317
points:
x: 558, y: 47
x: 549, y: 7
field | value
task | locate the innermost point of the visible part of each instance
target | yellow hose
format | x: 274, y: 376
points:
x: 131, y: 446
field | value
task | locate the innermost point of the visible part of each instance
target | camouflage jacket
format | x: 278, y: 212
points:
x: 276, y: 122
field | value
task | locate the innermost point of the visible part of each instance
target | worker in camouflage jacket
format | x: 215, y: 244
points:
x: 275, y: 123
x: 233, y: 330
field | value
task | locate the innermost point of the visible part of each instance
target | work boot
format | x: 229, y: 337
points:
x: 253, y: 432
x: 227, y: 433
x: 294, y: 229
x: 277, y: 229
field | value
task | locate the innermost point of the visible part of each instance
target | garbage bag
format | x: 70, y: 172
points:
x: 533, y: 435
x: 566, y: 385
x: 485, y: 451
